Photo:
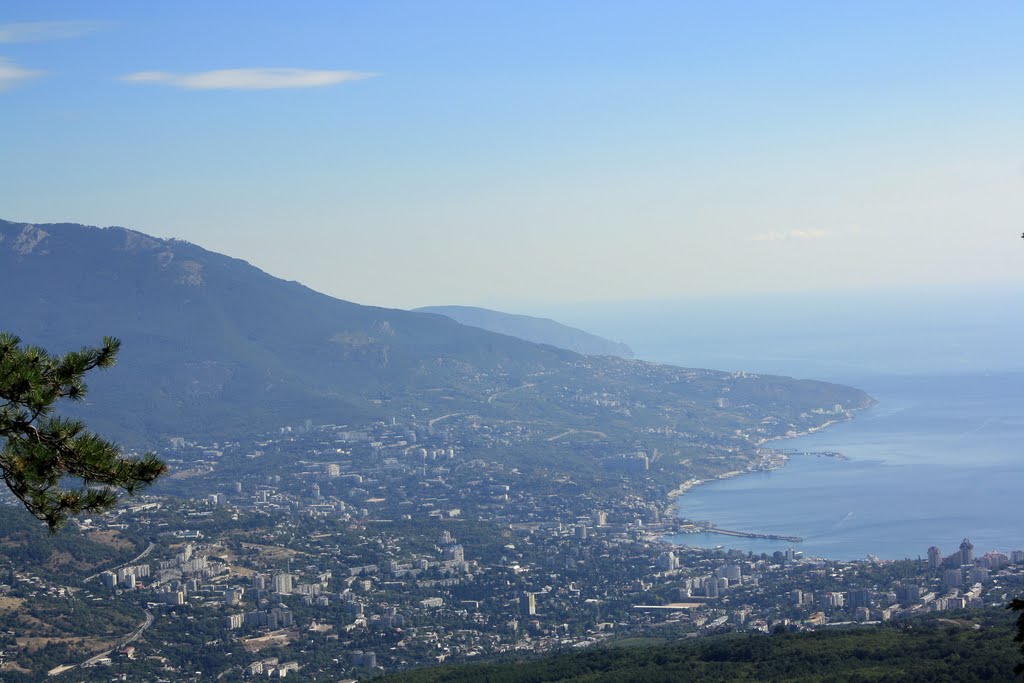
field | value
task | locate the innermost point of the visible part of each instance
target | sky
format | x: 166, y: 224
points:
x: 514, y: 153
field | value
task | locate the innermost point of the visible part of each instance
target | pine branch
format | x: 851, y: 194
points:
x: 43, y: 456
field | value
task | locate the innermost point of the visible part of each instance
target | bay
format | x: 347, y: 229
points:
x: 940, y: 458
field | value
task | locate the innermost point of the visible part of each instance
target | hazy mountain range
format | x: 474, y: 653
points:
x: 215, y: 346
x: 538, y: 330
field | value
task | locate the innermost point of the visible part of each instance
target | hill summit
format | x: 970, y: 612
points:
x: 213, y: 346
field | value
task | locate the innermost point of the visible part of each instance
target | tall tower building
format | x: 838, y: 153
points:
x: 667, y: 561
x: 934, y: 557
x: 528, y: 604
x: 860, y: 597
x: 967, y: 552
x: 283, y: 584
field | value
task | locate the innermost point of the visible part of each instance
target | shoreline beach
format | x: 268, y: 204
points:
x: 782, y: 458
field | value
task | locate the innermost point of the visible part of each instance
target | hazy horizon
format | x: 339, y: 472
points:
x: 584, y: 151
x: 803, y: 218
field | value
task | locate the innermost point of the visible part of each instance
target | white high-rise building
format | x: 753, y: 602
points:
x: 283, y: 584
x: 668, y: 561
x: 527, y: 604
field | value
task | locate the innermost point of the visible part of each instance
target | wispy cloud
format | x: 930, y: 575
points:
x: 813, y: 234
x: 248, y: 79
x: 11, y: 74
x: 35, y: 31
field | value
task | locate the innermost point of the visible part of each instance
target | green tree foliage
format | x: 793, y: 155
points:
x: 55, y: 466
x: 934, y: 649
x: 1018, y: 606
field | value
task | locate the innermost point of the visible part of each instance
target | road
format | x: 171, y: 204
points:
x: 140, y: 556
x: 443, y: 417
x: 577, y: 431
x: 131, y: 637
x: 490, y: 399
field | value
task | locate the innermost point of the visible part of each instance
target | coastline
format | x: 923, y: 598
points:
x: 767, y: 463
x: 906, y: 458
x: 797, y: 435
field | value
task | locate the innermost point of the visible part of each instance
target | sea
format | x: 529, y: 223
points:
x: 940, y: 458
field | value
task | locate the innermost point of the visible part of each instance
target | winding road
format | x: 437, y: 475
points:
x: 577, y: 431
x: 140, y: 556
x: 431, y: 423
x: 131, y: 637
x: 490, y: 399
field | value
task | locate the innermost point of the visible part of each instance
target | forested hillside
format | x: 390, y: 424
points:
x: 970, y: 647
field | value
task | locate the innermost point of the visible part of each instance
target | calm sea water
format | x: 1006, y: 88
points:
x: 940, y: 458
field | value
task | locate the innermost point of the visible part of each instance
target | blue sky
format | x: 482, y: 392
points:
x: 405, y: 154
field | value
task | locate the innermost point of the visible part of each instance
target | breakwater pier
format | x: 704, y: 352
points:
x: 788, y: 452
x: 711, y: 528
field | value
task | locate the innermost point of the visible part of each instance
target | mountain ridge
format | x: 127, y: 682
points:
x: 175, y: 292
x: 215, y: 347
x: 534, y: 329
